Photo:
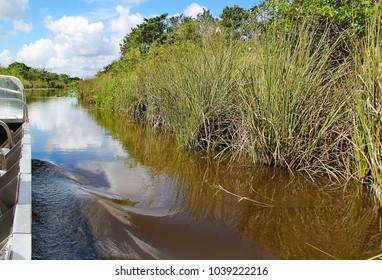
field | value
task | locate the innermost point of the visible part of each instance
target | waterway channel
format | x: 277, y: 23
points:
x: 106, y: 187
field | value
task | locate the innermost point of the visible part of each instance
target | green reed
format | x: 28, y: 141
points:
x: 192, y: 91
x: 114, y: 93
x: 366, y: 105
x: 290, y: 103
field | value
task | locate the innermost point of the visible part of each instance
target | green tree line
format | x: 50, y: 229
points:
x: 38, y: 78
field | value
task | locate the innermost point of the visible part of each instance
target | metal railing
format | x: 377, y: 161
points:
x: 9, y: 142
x: 15, y: 171
x: 24, y: 106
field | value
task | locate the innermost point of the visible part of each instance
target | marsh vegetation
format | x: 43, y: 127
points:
x: 292, y: 84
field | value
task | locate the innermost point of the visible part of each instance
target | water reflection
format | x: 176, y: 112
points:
x: 152, y: 200
x: 308, y: 220
x: 64, y: 132
x: 135, y: 183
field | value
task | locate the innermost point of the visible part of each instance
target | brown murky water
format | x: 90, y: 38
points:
x: 129, y: 193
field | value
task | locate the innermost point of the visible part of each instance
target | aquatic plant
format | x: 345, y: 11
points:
x: 192, y: 92
x: 366, y: 105
x: 290, y: 103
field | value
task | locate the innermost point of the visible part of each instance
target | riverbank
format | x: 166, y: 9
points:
x: 282, y: 98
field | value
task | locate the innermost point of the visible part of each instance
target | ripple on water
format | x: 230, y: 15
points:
x: 59, y: 230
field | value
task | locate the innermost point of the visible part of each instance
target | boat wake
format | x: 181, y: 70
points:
x: 72, y: 220
x: 59, y: 229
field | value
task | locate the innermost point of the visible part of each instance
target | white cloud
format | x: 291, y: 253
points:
x: 5, y: 58
x: 37, y: 54
x: 193, y: 10
x: 20, y: 25
x: 79, y: 47
x: 125, y: 21
x: 123, y: 24
x: 12, y: 9
x: 76, y: 47
x: 75, y: 36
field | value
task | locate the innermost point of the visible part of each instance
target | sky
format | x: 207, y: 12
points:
x: 80, y: 37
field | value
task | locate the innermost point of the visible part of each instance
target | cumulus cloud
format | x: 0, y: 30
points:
x: 5, y: 58
x: 76, y: 36
x: 125, y: 21
x: 12, y: 9
x: 123, y: 24
x: 193, y: 10
x: 20, y: 25
x: 37, y: 54
x: 77, y: 47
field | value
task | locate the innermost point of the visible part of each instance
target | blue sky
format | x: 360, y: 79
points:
x: 79, y: 37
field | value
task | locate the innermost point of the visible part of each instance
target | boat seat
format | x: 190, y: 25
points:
x: 3, y: 208
x: 10, y: 130
x: 13, y: 155
x: 6, y: 222
x: 9, y: 174
x: 6, y: 135
x: 9, y: 156
x: 16, y: 136
x: 3, y: 162
x: 8, y: 195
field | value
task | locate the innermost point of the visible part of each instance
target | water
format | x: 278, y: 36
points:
x: 105, y: 187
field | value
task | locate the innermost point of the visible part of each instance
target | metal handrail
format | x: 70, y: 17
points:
x: 3, y: 161
x: 11, y: 90
x: 14, y: 80
x: 9, y: 134
x: 25, y: 106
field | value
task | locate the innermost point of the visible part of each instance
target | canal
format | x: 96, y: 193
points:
x: 106, y: 187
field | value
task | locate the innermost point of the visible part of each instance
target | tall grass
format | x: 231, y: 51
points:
x: 278, y: 99
x: 290, y: 102
x: 114, y: 93
x: 366, y: 106
x: 192, y: 93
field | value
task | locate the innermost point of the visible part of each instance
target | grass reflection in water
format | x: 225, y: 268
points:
x: 306, y: 220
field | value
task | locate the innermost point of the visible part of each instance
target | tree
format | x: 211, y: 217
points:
x: 19, y: 69
x: 42, y: 78
x: 344, y: 15
x: 236, y: 20
x: 182, y: 28
x: 335, y: 20
x: 206, y: 23
x: 145, y: 34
